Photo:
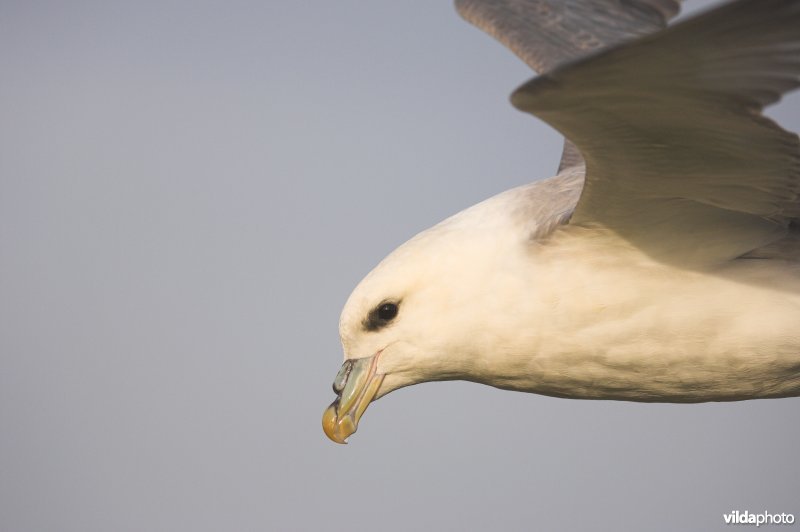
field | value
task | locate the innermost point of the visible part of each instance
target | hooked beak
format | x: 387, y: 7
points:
x: 356, y: 385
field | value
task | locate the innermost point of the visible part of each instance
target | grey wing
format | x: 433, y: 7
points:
x: 548, y: 33
x: 679, y: 159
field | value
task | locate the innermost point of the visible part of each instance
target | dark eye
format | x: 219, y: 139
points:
x: 387, y: 311
x: 380, y: 316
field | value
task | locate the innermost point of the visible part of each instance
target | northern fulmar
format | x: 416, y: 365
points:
x: 661, y: 263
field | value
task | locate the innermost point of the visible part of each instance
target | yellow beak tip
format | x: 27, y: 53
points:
x: 356, y: 386
x: 335, y: 429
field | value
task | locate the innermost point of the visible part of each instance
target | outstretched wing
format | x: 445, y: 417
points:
x: 548, y: 33
x: 679, y: 159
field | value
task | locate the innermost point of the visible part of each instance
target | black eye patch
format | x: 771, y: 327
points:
x: 381, y: 315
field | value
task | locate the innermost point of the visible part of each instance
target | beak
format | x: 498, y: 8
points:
x: 356, y: 385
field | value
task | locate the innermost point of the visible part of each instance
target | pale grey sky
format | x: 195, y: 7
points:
x: 188, y: 193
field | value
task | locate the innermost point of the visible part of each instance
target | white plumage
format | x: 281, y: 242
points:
x: 662, y: 265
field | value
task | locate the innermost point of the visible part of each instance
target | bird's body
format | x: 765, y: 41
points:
x: 583, y: 314
x: 660, y: 264
x: 634, y: 329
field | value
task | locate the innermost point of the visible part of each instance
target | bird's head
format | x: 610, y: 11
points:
x: 423, y: 314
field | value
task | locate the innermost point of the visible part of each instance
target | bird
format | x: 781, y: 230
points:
x: 660, y: 264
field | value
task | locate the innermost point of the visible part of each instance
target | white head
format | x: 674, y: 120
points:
x: 417, y: 309
x: 432, y: 310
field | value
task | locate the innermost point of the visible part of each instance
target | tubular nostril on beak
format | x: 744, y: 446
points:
x: 341, y: 377
x: 355, y: 385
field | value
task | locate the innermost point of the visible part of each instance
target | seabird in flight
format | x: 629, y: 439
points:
x: 661, y: 263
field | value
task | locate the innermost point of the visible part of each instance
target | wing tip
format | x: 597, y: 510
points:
x: 530, y: 92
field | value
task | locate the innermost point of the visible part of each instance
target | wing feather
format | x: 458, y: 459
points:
x: 549, y: 33
x: 680, y: 160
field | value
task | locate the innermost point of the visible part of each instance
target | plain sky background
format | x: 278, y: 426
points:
x: 188, y: 193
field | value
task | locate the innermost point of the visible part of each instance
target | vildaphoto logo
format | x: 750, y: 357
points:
x: 764, y: 518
